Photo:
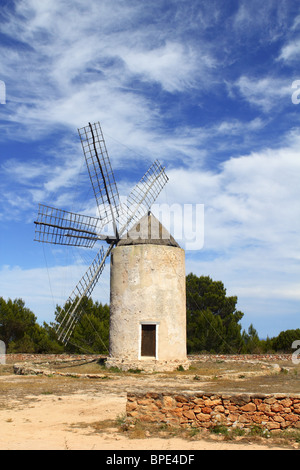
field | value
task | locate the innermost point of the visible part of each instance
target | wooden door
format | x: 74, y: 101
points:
x: 148, y: 340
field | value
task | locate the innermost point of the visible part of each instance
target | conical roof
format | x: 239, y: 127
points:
x: 148, y: 231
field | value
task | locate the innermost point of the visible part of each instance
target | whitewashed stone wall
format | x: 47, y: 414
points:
x: 147, y: 286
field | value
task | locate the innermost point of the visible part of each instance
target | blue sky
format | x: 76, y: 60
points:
x: 205, y: 87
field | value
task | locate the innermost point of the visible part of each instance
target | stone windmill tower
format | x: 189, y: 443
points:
x: 148, y: 300
x: 148, y: 312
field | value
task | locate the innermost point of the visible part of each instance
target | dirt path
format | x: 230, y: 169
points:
x: 49, y: 414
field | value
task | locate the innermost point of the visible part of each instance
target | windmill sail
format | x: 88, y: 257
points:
x: 143, y: 195
x: 65, y: 228
x: 84, y: 288
x: 100, y: 171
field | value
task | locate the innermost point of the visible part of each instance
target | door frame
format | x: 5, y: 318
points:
x: 140, y: 357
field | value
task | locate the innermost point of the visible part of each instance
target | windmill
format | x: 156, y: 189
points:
x: 61, y: 227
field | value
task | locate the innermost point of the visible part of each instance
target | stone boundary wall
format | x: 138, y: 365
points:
x: 42, y: 358
x: 37, y: 366
x: 206, y: 410
x: 20, y: 357
x: 28, y: 369
x: 239, y: 357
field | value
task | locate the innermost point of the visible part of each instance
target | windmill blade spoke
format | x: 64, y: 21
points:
x: 84, y: 289
x: 61, y: 227
x: 100, y: 172
x: 143, y: 195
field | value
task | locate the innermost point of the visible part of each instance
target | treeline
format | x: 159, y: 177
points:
x: 213, y: 326
x: 213, y: 323
x: 21, y: 333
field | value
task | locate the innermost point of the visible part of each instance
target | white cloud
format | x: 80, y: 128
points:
x: 54, y: 178
x: 44, y: 288
x: 81, y: 63
x: 290, y: 51
x: 265, y: 21
x: 266, y: 93
x: 21, y: 171
x: 296, y: 23
x: 252, y: 222
x: 236, y: 127
x: 175, y: 66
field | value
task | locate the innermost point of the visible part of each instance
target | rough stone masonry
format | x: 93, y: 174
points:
x: 205, y: 410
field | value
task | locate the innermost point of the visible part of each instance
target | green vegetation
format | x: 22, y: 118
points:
x: 212, y: 318
x: 20, y: 331
x: 213, y: 326
x: 91, y: 334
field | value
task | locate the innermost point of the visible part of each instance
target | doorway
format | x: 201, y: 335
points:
x: 148, y: 340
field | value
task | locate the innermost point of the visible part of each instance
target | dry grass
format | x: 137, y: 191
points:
x: 23, y: 391
x: 218, y: 376
x: 250, y: 376
x: 289, y: 439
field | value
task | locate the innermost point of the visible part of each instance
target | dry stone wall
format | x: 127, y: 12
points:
x: 20, y: 357
x: 206, y: 410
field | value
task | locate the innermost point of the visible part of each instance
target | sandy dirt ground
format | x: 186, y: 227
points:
x: 65, y: 421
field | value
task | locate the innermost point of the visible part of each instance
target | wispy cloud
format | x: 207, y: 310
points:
x: 174, y: 66
x: 266, y: 93
x: 74, y: 69
x: 251, y: 201
x: 291, y: 51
